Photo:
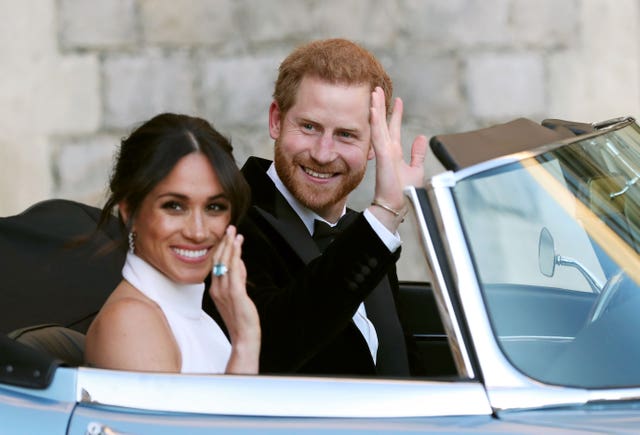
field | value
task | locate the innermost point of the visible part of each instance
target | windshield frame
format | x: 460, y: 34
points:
x: 500, y: 376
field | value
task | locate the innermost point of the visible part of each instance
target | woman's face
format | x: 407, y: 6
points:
x: 181, y: 220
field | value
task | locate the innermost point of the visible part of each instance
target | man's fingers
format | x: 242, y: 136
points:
x: 379, y: 133
x: 395, y: 122
x: 418, y: 151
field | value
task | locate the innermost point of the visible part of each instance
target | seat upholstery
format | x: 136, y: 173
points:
x: 56, y: 268
x: 63, y: 344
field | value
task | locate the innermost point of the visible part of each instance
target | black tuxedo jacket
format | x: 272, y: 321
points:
x: 306, y: 300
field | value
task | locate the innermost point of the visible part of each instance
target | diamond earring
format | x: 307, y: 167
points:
x: 132, y: 241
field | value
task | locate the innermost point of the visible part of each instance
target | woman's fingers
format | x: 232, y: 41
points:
x: 223, y: 253
x: 236, y: 266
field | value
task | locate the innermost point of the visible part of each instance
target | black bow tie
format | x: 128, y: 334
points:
x: 323, y: 233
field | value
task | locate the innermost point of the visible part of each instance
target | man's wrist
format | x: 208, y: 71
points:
x: 382, y: 225
x: 397, y: 213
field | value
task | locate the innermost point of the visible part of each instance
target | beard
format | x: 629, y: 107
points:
x: 318, y: 198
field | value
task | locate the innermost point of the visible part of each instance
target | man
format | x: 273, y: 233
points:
x: 328, y: 118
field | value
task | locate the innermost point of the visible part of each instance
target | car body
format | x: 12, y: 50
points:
x: 529, y: 322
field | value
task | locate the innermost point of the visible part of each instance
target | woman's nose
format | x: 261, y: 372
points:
x: 195, y: 228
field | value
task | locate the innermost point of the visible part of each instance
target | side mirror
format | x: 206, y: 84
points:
x: 546, y: 253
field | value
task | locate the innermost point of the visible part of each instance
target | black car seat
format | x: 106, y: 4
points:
x: 56, y: 271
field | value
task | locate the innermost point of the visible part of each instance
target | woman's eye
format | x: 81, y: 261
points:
x: 218, y: 207
x: 172, y: 205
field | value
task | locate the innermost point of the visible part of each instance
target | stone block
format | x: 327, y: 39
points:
x: 250, y: 141
x: 26, y: 176
x: 545, y: 23
x: 69, y: 94
x: 190, y: 22
x: 596, y: 82
x: 238, y: 90
x: 136, y: 87
x: 30, y: 33
x: 262, y: 21
x: 456, y: 24
x: 429, y: 88
x: 376, y: 23
x: 101, y: 24
x: 82, y: 166
x: 504, y: 86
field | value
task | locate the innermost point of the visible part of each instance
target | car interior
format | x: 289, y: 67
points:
x: 62, y: 270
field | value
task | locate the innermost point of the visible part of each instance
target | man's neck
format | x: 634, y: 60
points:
x: 304, y: 213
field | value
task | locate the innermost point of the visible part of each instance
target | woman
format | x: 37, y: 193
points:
x: 179, y: 194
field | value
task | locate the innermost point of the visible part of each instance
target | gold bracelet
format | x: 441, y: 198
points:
x: 395, y: 212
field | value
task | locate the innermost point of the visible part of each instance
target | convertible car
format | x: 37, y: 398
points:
x: 529, y: 322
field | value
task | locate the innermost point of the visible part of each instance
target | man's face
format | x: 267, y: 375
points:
x: 322, y: 143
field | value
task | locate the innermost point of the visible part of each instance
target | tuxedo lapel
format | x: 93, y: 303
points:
x: 271, y: 206
x: 291, y: 228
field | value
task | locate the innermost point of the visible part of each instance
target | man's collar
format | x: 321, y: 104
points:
x: 306, y: 215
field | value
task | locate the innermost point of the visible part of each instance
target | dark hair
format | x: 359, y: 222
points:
x: 337, y: 61
x: 152, y: 150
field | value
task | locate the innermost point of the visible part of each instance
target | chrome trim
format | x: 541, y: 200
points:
x: 613, y: 122
x: 453, y: 177
x: 300, y: 397
x: 464, y: 276
x: 280, y: 396
x: 553, y: 338
x: 459, y: 349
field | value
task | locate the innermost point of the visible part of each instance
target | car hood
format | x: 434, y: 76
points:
x: 607, y: 418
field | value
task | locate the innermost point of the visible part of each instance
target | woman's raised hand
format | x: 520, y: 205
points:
x: 229, y: 293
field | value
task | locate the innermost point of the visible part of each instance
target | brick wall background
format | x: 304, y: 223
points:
x: 77, y: 75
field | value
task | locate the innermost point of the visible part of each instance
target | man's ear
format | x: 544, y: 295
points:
x: 274, y: 120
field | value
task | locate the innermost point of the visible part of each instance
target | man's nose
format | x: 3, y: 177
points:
x: 324, y: 150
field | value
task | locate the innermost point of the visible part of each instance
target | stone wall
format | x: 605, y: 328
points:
x: 77, y: 75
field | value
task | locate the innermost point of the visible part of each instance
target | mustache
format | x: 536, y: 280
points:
x: 336, y: 166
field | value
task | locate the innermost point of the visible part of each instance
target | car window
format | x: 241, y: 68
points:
x: 554, y: 241
x: 503, y: 213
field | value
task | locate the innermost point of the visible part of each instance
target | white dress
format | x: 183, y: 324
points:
x: 203, y: 345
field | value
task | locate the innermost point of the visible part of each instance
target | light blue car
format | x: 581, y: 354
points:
x: 530, y: 324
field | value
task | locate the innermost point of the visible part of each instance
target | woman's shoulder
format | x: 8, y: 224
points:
x: 127, y: 305
x: 131, y: 324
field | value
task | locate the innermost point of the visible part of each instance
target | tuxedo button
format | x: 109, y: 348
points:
x: 373, y: 262
x: 352, y: 286
x: 359, y: 278
x: 365, y: 270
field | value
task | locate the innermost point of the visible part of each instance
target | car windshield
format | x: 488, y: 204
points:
x: 555, y: 238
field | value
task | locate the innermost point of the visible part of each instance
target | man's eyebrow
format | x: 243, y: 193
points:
x: 349, y: 130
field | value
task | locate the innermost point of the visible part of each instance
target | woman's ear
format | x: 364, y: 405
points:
x: 274, y: 120
x: 123, y: 210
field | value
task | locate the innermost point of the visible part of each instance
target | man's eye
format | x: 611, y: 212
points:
x: 307, y: 126
x: 345, y: 134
